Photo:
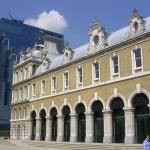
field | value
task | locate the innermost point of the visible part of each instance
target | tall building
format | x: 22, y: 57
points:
x: 99, y: 92
x: 16, y: 37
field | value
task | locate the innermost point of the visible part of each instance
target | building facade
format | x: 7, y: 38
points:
x: 15, y: 36
x: 99, y: 92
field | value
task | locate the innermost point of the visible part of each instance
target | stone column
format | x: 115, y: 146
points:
x: 74, y: 123
x: 30, y: 130
x: 60, y: 128
x: 129, y: 125
x: 30, y: 71
x: 48, y: 129
x: 89, y: 127
x: 107, y: 126
x: 38, y: 129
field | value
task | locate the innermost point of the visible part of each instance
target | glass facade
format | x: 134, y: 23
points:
x: 15, y: 36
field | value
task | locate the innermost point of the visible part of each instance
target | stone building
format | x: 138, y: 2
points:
x: 99, y: 92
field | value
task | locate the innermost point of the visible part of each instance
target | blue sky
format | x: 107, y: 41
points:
x: 78, y: 14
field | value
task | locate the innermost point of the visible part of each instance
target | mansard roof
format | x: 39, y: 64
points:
x: 114, y: 38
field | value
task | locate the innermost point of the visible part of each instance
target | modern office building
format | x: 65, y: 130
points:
x: 15, y: 37
x: 99, y: 92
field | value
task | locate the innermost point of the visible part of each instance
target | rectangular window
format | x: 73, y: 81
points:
x: 66, y: 80
x: 33, y: 90
x: 96, y: 71
x: 79, y: 76
x: 137, y: 58
x: 20, y: 95
x: 53, y: 87
x: 43, y: 88
x: 21, y: 74
x: 115, y: 65
x: 17, y: 77
x: 25, y: 92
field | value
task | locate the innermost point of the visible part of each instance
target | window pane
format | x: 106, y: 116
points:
x: 138, y: 53
x: 115, y: 64
x: 96, y: 70
x: 80, y: 74
x: 138, y: 63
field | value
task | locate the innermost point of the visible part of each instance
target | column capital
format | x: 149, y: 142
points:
x: 89, y: 113
x: 37, y: 118
x: 107, y: 111
x: 73, y: 114
x: 128, y: 109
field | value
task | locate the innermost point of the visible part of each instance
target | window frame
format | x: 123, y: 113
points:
x: 53, y: 84
x: 78, y: 75
x: 65, y: 86
x: 134, y: 67
x: 94, y: 72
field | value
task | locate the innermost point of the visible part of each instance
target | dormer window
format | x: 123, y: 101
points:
x: 96, y: 39
x: 136, y: 26
x: 66, y: 55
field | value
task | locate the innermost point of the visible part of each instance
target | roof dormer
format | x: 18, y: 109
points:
x: 137, y: 24
x: 98, y: 36
x: 67, y: 53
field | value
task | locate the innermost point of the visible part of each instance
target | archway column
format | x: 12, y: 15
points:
x: 38, y: 129
x: 129, y: 125
x: 60, y: 128
x: 89, y: 127
x: 48, y: 128
x: 73, y: 134
x: 107, y: 126
x: 30, y: 129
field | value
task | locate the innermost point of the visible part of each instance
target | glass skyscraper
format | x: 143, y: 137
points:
x: 15, y: 36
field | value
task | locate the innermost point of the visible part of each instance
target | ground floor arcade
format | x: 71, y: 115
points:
x: 115, y: 123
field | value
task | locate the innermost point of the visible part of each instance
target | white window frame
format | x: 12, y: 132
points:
x: 19, y: 113
x: 53, y: 90
x: 43, y: 87
x: 33, y: 90
x: 78, y: 83
x: 112, y: 73
x: 65, y: 87
x: 134, y: 68
x: 94, y: 79
x: 24, y: 112
x: 20, y: 94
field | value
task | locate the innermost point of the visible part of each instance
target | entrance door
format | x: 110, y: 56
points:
x: 54, y: 128
x: 118, y: 129
x: 81, y: 127
x: 98, y: 127
x: 43, y: 129
x: 142, y: 127
x: 67, y: 128
x: 142, y: 117
x: 33, y: 129
x: 118, y: 121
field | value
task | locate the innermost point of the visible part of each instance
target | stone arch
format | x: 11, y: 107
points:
x: 115, y: 96
x: 144, y: 91
x: 33, y: 110
x: 96, y: 99
x: 42, y: 108
x: 53, y: 106
x: 63, y: 105
x: 76, y: 103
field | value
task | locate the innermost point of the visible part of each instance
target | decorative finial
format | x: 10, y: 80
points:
x: 67, y: 45
x: 96, y: 20
x: 135, y: 11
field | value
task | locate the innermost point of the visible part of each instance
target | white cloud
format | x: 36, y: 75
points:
x: 52, y: 21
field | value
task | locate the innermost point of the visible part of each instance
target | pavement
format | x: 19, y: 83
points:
x: 19, y: 145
